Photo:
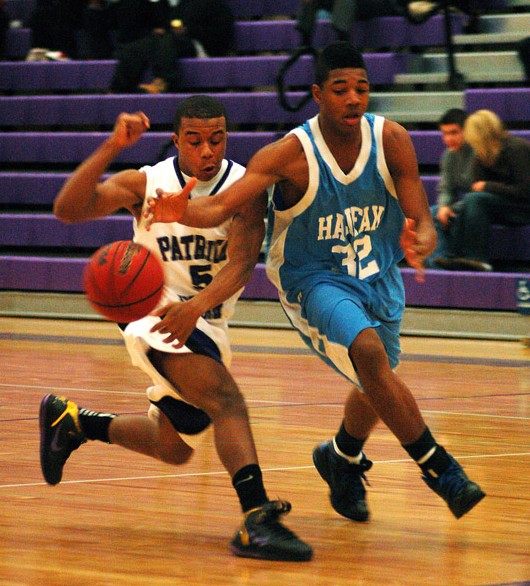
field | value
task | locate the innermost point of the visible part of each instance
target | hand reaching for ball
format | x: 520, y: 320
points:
x: 167, y: 207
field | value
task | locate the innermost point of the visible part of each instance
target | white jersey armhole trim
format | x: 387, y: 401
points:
x: 382, y: 167
x: 313, y: 170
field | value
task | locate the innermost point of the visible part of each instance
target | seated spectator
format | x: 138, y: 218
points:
x: 456, y: 167
x: 418, y: 12
x: 191, y: 28
x: 54, y: 25
x: 500, y: 192
x: 101, y: 21
x: 343, y: 14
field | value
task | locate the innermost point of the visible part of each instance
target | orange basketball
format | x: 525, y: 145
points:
x: 123, y: 281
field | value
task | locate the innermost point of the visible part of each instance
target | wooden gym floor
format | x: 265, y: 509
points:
x: 119, y: 518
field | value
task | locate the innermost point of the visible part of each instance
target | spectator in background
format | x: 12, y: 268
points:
x: 343, y: 14
x: 101, y: 20
x: 420, y: 12
x: 185, y: 28
x: 54, y: 24
x: 500, y: 192
x: 456, y: 177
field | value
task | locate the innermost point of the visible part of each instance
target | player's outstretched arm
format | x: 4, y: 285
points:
x: 265, y: 168
x: 82, y: 197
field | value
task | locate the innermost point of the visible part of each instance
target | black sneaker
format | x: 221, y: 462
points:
x: 347, y: 492
x: 262, y: 536
x: 60, y: 435
x: 460, y: 493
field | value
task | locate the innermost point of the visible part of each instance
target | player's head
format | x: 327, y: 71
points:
x: 338, y: 55
x: 452, y: 127
x: 485, y: 132
x: 341, y: 87
x: 199, y: 133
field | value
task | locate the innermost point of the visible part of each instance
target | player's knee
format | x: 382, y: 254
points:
x: 224, y: 398
x: 368, y: 354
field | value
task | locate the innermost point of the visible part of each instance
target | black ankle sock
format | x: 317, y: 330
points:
x: 95, y: 425
x: 248, y: 483
x: 347, y: 444
x: 437, y: 462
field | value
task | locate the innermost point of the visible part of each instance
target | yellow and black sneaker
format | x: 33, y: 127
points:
x: 262, y: 536
x: 60, y: 435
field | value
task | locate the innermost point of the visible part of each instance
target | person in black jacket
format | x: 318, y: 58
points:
x: 192, y: 28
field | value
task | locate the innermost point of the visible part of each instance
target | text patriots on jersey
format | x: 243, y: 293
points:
x: 192, y: 247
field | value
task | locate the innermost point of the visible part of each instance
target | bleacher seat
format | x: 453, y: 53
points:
x: 53, y: 115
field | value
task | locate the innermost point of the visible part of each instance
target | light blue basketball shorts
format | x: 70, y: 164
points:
x: 329, y: 318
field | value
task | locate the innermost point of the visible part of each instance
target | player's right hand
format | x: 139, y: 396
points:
x: 167, y: 207
x: 129, y: 128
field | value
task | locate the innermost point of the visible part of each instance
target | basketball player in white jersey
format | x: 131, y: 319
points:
x: 184, y: 346
x: 345, y: 181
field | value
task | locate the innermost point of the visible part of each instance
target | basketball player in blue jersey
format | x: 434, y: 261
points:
x: 205, y: 271
x: 345, y: 182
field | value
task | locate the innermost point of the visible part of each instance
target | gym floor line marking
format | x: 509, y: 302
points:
x: 224, y: 472
x: 437, y: 358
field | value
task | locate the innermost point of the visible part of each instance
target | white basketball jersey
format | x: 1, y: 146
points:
x: 191, y: 256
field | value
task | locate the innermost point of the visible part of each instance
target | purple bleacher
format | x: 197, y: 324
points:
x: 242, y: 107
x: 510, y: 242
x: 73, y: 147
x: 45, y: 230
x: 509, y: 103
x: 442, y: 289
x: 36, y: 273
x: 214, y: 72
x: 18, y: 43
x: 95, y: 110
x: 462, y: 290
x: 30, y: 188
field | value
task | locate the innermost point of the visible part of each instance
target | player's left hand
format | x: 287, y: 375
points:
x: 178, y: 322
x: 167, y: 207
x: 409, y: 243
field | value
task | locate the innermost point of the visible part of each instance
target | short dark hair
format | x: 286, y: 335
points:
x: 454, y: 116
x: 338, y: 55
x: 198, y: 107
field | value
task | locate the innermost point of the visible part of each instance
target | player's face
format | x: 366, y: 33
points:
x: 343, y: 99
x: 453, y: 136
x: 202, y: 146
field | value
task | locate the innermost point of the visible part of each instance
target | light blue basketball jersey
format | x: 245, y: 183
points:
x: 342, y: 239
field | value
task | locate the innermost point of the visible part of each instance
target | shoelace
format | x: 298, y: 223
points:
x: 455, y: 480
x: 355, y: 472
